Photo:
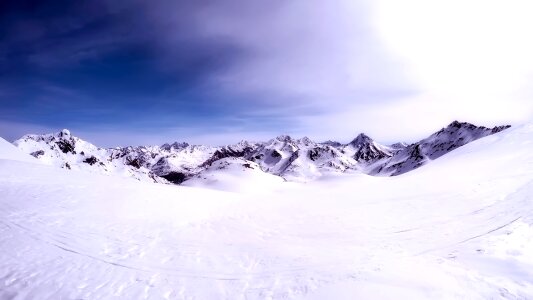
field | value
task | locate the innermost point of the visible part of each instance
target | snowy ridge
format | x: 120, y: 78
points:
x: 455, y: 135
x: 293, y: 159
x: 67, y: 151
x: 10, y: 152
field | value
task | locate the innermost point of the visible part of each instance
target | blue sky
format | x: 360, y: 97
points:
x: 94, y: 66
x: 138, y: 72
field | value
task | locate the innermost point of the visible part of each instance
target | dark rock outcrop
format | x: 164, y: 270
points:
x: 37, y: 153
x: 175, y: 177
x: 90, y: 160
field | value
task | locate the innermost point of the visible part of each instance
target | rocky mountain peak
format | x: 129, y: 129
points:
x: 365, y: 150
x: 334, y: 144
x: 458, y: 124
x: 243, y: 144
x: 496, y: 129
x: 174, y: 146
x: 399, y: 145
x: 64, y: 133
x: 284, y: 138
x: 360, y: 140
x: 306, y: 141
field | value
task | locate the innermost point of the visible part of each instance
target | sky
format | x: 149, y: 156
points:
x: 134, y: 72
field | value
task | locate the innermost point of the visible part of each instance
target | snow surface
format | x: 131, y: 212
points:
x: 461, y: 227
x: 236, y: 175
x: 9, y: 151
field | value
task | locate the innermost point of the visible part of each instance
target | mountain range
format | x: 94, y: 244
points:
x: 292, y: 159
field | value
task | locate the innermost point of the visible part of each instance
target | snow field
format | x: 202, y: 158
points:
x: 460, y: 227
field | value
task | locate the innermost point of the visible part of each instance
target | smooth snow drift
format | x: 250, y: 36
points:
x: 461, y: 227
x: 10, y: 152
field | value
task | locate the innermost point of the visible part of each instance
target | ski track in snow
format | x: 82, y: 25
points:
x: 461, y: 227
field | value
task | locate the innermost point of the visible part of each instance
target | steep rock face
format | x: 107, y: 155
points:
x: 239, y: 150
x: 176, y: 146
x: 406, y: 160
x: 175, y: 177
x: 441, y: 142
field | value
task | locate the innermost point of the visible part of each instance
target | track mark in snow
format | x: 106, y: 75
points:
x: 406, y: 230
x: 490, y: 231
x: 470, y: 238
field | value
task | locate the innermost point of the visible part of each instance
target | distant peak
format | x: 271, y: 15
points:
x: 458, y: 124
x: 180, y: 145
x: 362, y: 135
x: 175, y: 145
x: 305, y: 140
x: 399, y: 145
x: 332, y: 143
x: 361, y: 139
x: 284, y: 138
x: 64, y: 132
x: 455, y: 123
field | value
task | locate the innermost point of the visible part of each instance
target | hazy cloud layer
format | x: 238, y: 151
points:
x: 212, y: 71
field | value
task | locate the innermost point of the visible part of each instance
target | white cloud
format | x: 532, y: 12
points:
x: 470, y: 58
x: 321, y: 53
x: 398, y: 69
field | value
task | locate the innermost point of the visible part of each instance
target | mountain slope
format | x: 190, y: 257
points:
x: 453, y: 136
x: 9, y: 151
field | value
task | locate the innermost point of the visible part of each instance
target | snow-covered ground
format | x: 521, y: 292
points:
x: 461, y: 227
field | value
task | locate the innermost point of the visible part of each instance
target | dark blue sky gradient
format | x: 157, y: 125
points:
x: 119, y: 72
x: 96, y: 63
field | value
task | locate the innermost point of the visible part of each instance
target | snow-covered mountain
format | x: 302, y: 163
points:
x: 436, y: 145
x: 365, y: 149
x: 293, y: 159
x: 299, y: 159
x: 67, y: 151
